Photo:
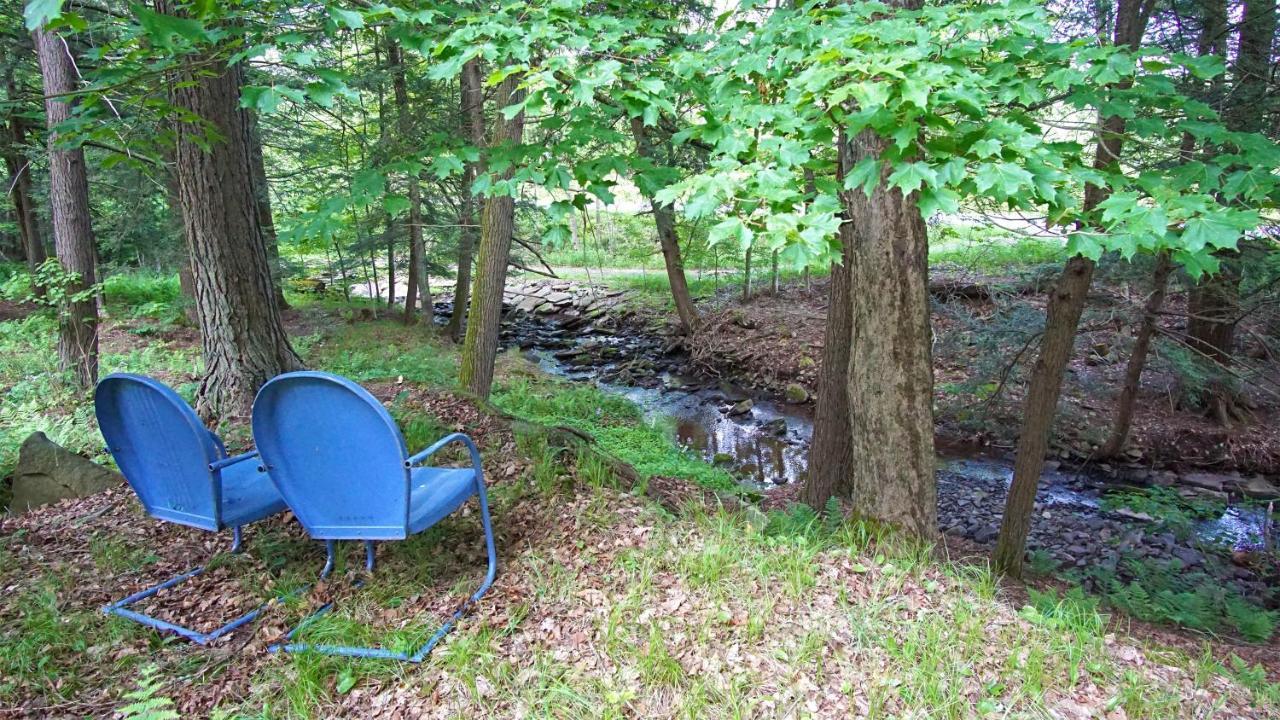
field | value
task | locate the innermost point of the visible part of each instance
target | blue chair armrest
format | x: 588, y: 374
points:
x: 421, y: 457
x: 228, y: 462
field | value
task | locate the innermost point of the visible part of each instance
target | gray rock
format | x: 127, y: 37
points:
x: 776, y: 426
x: 48, y: 472
x: 1208, y: 481
x: 986, y: 534
x: 559, y: 298
x: 743, y: 407
x: 1257, y: 486
x: 1190, y: 557
x: 528, y: 304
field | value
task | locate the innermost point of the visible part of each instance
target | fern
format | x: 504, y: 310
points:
x: 148, y: 703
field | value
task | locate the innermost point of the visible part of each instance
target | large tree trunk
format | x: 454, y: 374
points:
x: 473, y: 115
x: 243, y: 339
x: 890, y: 377
x: 69, y: 206
x: 1214, y: 306
x: 668, y: 238
x: 404, y: 125
x: 1062, y: 318
x: 262, y: 195
x: 1138, y: 359
x: 497, y: 223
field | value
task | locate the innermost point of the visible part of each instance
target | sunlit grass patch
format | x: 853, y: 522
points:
x: 989, y: 249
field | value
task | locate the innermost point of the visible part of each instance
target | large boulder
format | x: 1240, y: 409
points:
x: 48, y: 472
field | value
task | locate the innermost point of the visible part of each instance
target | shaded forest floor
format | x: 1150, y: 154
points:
x: 615, y: 599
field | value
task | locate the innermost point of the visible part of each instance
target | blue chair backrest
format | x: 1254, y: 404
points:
x: 335, y: 454
x: 162, y: 448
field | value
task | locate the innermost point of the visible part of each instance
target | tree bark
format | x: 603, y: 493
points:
x: 890, y: 376
x: 404, y: 126
x: 497, y: 223
x: 831, y: 452
x: 262, y: 195
x: 73, y: 239
x: 389, y: 239
x: 23, y: 204
x: 473, y: 115
x: 668, y: 239
x: 1138, y: 358
x: 242, y: 336
x: 1062, y: 318
x: 1214, y: 305
x: 746, y: 274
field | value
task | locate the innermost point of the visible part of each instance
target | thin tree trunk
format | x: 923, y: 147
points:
x: 473, y: 115
x: 243, y: 338
x: 1138, y: 358
x: 1062, y: 318
x: 404, y: 126
x: 389, y: 239
x: 262, y: 196
x: 746, y: 275
x: 497, y: 223
x: 773, y: 272
x: 831, y: 452
x: 23, y: 204
x: 668, y: 239
x: 388, y: 233
x: 69, y: 206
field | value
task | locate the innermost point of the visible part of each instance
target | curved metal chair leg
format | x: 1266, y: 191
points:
x: 121, y: 607
x: 421, y: 653
x: 329, y: 547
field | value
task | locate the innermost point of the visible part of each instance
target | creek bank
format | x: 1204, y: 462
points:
x: 1080, y: 529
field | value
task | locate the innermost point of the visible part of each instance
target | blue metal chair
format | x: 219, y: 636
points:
x: 181, y: 472
x: 341, y: 464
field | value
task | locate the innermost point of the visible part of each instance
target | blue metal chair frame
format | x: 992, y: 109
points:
x: 413, y: 461
x: 220, y: 462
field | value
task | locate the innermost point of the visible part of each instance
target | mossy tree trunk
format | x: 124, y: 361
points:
x: 497, y: 224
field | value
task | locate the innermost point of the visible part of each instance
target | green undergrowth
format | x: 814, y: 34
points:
x: 616, y: 424
x: 985, y: 249
x: 36, y: 396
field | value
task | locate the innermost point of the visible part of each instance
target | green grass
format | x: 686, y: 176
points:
x: 615, y: 423
x: 991, y: 250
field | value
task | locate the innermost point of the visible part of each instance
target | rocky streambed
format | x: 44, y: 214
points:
x: 1085, y: 521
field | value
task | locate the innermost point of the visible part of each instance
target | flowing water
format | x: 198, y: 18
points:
x: 767, y: 446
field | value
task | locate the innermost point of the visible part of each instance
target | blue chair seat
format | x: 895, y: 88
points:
x: 248, y: 495
x: 437, y: 492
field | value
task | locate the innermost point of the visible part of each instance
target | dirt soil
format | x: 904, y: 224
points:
x: 774, y: 340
